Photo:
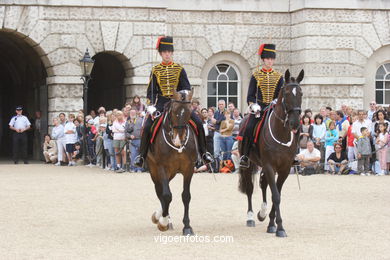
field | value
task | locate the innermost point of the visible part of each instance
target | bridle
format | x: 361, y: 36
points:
x: 286, y: 110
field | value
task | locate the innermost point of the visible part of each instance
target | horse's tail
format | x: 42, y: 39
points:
x: 247, y: 176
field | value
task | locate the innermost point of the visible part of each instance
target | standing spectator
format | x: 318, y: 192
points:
x: 62, y: 119
x: 324, y: 114
x: 91, y: 135
x: 236, y: 156
x: 319, y: 131
x: 108, y: 140
x: 363, y: 147
x: 49, y: 150
x: 309, y: 113
x: 331, y: 137
x: 382, y: 144
x: 99, y: 148
x: 208, y: 129
x: 337, y: 160
x: 137, y: 104
x: 344, y: 109
x: 372, y: 110
x: 133, y: 134
x: 332, y: 117
x: 381, y: 119
x: 306, y: 132
x: 196, y: 106
x: 231, y: 108
x: 237, y: 121
x: 70, y: 138
x: 19, y: 124
x: 351, y: 140
x: 226, y: 138
x: 349, y: 113
x: 101, y: 114
x: 342, y: 125
x: 216, y: 121
x: 58, y: 134
x: 118, y: 128
x: 79, y: 134
x: 361, y: 122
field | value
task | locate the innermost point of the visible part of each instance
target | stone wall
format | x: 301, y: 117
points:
x: 332, y: 45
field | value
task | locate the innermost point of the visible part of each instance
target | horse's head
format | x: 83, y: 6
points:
x: 180, y: 114
x: 290, y: 97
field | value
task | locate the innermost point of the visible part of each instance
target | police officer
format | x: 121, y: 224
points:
x: 19, y: 124
x: 165, y: 78
x: 264, y: 87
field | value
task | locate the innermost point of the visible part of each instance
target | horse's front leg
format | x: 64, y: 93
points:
x: 166, y: 198
x: 186, y: 197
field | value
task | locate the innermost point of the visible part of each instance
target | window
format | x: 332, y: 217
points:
x: 382, y: 85
x: 223, y: 83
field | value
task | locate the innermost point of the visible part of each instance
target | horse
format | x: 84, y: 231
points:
x: 274, y: 152
x: 174, y: 150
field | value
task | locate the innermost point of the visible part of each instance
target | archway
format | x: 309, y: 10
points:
x: 22, y: 82
x: 106, y: 87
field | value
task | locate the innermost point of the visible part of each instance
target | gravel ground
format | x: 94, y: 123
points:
x: 50, y: 212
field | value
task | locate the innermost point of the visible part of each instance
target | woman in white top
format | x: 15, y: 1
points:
x: 118, y: 128
x: 57, y: 134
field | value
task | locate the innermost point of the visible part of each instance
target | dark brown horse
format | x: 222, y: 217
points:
x: 274, y: 152
x: 174, y: 150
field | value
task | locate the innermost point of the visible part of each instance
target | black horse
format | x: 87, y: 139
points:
x: 174, y: 150
x: 274, y: 152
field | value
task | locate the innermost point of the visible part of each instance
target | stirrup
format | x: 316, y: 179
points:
x: 244, y: 161
x: 139, y: 161
x: 207, y: 158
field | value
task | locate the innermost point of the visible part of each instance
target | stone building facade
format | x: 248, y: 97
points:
x: 339, y: 44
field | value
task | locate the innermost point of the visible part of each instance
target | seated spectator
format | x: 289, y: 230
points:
x: 50, y: 150
x: 77, y: 153
x: 338, y: 160
x: 309, y: 158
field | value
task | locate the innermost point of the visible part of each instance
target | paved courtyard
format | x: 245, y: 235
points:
x: 52, y: 212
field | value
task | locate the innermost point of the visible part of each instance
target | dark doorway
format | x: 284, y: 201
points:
x: 22, y: 82
x: 106, y: 86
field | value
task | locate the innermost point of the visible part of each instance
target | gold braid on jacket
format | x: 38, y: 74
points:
x: 167, y: 77
x: 267, y: 83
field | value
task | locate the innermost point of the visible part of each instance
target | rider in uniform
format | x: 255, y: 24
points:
x: 165, y: 78
x: 264, y: 87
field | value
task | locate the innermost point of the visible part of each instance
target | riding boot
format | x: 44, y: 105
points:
x: 206, y: 156
x: 143, y: 149
x: 244, y: 160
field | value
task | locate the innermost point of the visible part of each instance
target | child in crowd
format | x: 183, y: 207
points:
x: 381, y: 141
x: 77, y: 153
x: 99, y: 145
x: 91, y: 139
x: 363, y: 147
x: 331, y: 137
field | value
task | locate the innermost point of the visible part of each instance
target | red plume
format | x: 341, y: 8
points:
x: 158, y: 41
x: 261, y: 49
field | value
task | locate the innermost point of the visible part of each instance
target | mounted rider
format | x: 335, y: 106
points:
x: 165, y: 78
x: 264, y: 88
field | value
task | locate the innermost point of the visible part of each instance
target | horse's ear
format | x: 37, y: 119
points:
x: 190, y: 94
x: 300, y: 76
x: 287, y: 76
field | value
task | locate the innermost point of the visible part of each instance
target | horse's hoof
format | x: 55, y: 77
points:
x: 271, y: 229
x: 260, y: 218
x: 281, y: 233
x: 162, y: 227
x: 154, y: 219
x: 170, y: 226
x: 188, y: 231
x: 250, y: 223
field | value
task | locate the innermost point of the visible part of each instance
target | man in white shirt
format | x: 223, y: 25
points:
x: 310, y: 156
x: 361, y: 122
x: 372, y: 110
x: 19, y: 124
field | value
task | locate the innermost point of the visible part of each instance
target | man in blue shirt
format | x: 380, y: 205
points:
x: 19, y: 124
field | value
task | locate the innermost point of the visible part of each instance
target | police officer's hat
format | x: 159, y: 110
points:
x: 164, y: 43
x: 267, y: 51
x: 19, y: 108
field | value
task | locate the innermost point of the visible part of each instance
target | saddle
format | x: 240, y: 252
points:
x: 157, y: 125
x: 258, y: 126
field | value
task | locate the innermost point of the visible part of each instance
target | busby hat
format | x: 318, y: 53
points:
x: 164, y: 43
x: 267, y: 51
